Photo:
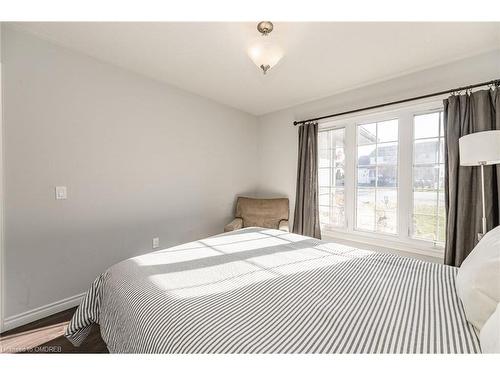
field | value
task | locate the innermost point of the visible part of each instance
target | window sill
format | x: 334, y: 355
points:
x: 393, y: 245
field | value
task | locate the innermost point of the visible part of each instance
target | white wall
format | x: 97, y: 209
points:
x: 278, y: 137
x: 140, y: 159
x: 1, y: 193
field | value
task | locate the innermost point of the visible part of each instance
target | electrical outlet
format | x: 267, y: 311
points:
x: 156, y: 242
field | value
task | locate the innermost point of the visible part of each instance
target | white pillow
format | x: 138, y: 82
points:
x: 490, y: 334
x: 478, y: 279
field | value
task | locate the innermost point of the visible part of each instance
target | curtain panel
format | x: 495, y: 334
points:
x: 306, y: 216
x: 463, y: 115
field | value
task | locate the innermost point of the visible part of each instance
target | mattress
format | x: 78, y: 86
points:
x: 258, y: 290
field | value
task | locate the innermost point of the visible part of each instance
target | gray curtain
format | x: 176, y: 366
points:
x: 306, y: 217
x: 466, y: 114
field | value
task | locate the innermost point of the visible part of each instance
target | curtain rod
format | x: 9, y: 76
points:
x: 495, y: 82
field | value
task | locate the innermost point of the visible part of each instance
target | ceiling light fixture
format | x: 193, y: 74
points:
x: 265, y: 53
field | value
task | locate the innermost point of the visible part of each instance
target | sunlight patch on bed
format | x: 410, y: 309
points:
x: 291, y: 237
x: 223, y: 285
x: 228, y: 262
x: 273, y: 260
x: 237, y: 242
x: 339, y: 249
x: 233, y: 238
x: 159, y: 258
x: 311, y: 264
x: 307, y: 259
x: 224, y: 277
x: 204, y: 276
x: 260, y: 243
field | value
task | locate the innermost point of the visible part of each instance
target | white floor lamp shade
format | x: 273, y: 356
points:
x: 480, y: 149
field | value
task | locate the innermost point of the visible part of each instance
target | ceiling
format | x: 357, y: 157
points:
x: 321, y: 59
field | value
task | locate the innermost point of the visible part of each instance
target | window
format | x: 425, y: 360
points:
x: 428, y: 177
x: 381, y: 177
x: 377, y: 177
x: 331, y: 178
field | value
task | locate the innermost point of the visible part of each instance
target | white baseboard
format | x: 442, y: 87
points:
x: 41, y: 312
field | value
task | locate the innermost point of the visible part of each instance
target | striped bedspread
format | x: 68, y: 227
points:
x: 265, y: 291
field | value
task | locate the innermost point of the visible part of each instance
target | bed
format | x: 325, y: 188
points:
x: 260, y: 290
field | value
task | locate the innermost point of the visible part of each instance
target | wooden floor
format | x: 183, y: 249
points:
x: 47, y: 336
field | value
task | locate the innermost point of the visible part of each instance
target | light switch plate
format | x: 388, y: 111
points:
x: 61, y: 192
x: 156, y: 242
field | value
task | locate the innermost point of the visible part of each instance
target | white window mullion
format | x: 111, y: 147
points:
x: 350, y: 177
x: 332, y: 169
x: 405, y: 174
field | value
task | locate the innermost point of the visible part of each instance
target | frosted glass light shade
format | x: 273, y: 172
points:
x: 480, y: 148
x: 265, y: 52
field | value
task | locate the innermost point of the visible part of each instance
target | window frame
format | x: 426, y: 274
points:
x: 340, y: 127
x: 403, y: 240
x: 355, y: 220
x: 411, y: 231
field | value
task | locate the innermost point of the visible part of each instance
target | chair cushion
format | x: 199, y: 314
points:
x: 264, y: 213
